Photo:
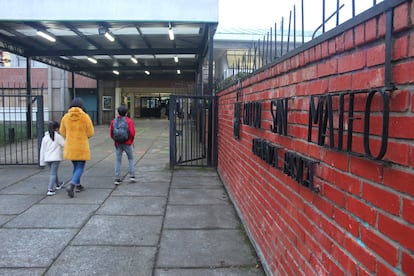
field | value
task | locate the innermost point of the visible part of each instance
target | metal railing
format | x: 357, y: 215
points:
x: 23, y: 121
x: 21, y: 128
x: 290, y: 34
x: 192, y: 131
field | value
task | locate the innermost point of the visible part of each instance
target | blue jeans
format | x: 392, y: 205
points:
x: 78, y: 167
x: 53, y: 178
x: 130, y: 154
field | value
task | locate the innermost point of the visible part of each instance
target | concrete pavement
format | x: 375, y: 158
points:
x: 177, y: 222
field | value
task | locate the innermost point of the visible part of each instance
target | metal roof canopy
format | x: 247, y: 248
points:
x: 140, y: 29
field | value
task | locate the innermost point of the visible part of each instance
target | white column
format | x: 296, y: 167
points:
x: 117, y: 99
x: 132, y: 111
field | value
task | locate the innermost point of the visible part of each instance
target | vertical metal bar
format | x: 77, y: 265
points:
x: 200, y: 79
x: 14, y: 102
x: 341, y: 121
x: 210, y: 133
x: 263, y: 51
x: 39, y: 123
x: 28, y: 101
x: 3, y: 126
x: 323, y: 16
x: 210, y: 59
x: 181, y: 137
x: 215, y: 134
x: 267, y: 48
x: 189, y: 131
x: 350, y: 122
x: 337, y: 12
x: 388, y: 49
x: 245, y: 62
x: 173, y: 130
x: 254, y: 57
x: 353, y: 8
x: 249, y: 61
x: 288, y: 35
x: 271, y: 44
x: 281, y: 38
x: 294, y: 26
x: 203, y: 127
x: 303, y: 23
x: 275, y: 40
x: 258, y: 54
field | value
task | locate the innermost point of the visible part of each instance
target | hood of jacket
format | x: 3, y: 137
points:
x: 75, y: 113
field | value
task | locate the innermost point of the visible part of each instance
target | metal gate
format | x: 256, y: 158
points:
x: 193, y: 131
x: 21, y: 129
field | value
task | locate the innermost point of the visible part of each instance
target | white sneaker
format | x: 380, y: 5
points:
x: 132, y: 179
x: 50, y: 193
x: 60, y: 185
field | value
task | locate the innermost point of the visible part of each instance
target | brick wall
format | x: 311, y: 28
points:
x: 357, y: 217
x: 11, y: 77
x: 82, y: 82
x: 16, y: 77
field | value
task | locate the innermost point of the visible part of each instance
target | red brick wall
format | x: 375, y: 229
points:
x: 82, y: 82
x: 15, y: 77
x: 12, y: 77
x: 362, y: 220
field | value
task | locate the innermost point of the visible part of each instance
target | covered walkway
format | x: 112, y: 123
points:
x: 177, y: 222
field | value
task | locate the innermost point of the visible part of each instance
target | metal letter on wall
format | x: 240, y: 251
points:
x: 237, y: 120
x: 279, y: 111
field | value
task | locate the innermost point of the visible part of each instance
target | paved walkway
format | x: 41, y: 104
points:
x: 177, y: 222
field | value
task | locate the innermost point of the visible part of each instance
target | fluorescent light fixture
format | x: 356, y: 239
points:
x: 115, y: 72
x: 46, y: 36
x: 134, y: 60
x: 147, y: 72
x: 178, y: 71
x: 109, y: 36
x: 170, y: 32
x: 105, y: 31
x: 92, y: 60
x: 176, y: 59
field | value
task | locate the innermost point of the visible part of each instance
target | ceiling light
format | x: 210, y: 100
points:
x: 92, y: 60
x: 46, y: 36
x: 170, y: 32
x: 109, y: 36
x: 147, y: 72
x: 176, y: 59
x: 134, y: 60
x: 105, y: 31
x: 115, y: 72
x: 178, y: 71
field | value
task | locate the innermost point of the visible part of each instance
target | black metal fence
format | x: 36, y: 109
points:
x: 291, y: 33
x: 23, y: 121
x: 193, y: 131
x: 21, y: 125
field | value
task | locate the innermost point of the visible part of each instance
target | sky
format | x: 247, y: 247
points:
x: 245, y: 14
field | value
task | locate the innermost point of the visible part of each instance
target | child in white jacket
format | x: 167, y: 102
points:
x: 51, y: 153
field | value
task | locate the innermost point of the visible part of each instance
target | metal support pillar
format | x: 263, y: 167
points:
x: 28, y: 98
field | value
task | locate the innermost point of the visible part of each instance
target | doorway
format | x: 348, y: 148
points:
x: 154, y: 107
